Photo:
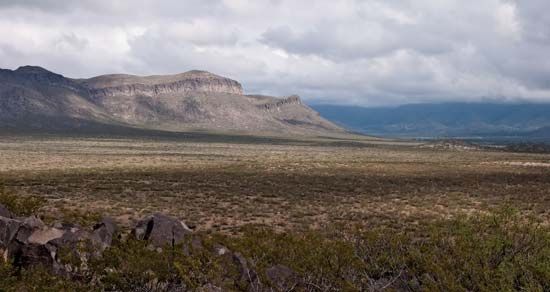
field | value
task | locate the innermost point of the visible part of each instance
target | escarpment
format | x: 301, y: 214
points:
x: 35, y: 98
x: 276, y: 104
x: 192, y: 81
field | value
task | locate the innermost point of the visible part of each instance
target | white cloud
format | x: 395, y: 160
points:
x: 342, y: 51
x: 507, y: 22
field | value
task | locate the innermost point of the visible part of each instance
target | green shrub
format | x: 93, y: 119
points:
x: 20, y: 205
x: 36, y: 279
x: 497, y: 252
x: 325, y: 263
x: 77, y: 217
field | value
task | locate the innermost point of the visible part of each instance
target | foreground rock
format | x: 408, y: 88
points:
x: 161, y: 230
x: 67, y: 249
x: 29, y: 242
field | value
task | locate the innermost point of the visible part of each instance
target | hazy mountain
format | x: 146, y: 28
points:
x: 35, y: 98
x: 448, y: 119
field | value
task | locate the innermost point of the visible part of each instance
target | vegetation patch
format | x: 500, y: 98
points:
x: 501, y: 251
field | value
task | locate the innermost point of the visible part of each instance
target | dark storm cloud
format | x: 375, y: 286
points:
x: 343, y: 51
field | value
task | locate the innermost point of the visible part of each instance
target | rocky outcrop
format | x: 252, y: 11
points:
x: 73, y: 252
x: 192, y: 81
x: 28, y: 242
x: 293, y: 99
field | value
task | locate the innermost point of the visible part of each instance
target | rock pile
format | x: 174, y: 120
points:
x: 28, y: 242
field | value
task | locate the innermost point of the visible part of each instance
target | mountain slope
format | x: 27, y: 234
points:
x: 448, y: 119
x: 34, y: 98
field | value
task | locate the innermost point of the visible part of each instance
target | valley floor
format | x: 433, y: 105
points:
x: 286, y: 184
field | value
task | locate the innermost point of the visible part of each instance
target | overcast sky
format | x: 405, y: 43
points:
x: 370, y: 52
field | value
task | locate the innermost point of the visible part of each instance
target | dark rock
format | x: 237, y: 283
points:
x: 27, y: 255
x: 70, y: 239
x: 4, y: 212
x: 29, y: 226
x: 282, y: 277
x: 33, y: 222
x: 246, y: 275
x: 23, y: 241
x: 161, y: 230
x: 8, y: 230
x: 29, y: 242
x: 104, y: 232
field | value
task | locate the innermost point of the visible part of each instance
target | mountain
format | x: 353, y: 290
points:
x: 35, y: 98
x: 446, y: 119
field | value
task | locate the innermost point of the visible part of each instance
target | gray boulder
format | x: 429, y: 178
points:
x: 161, y: 230
x: 104, y: 232
x: 8, y: 230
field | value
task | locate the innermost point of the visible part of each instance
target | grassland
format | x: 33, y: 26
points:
x: 223, y: 186
x: 285, y: 184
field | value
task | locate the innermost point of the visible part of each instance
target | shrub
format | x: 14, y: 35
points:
x: 498, y: 252
x: 20, y: 205
x: 324, y: 263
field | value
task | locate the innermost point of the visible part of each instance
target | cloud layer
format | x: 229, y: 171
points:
x: 366, y: 52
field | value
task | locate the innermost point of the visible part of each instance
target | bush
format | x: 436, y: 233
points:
x: 324, y: 263
x: 497, y: 252
x: 35, y: 279
x: 20, y: 205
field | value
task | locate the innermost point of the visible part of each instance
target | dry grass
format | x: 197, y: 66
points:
x: 289, y: 185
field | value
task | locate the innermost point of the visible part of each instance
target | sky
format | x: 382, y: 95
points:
x: 353, y: 52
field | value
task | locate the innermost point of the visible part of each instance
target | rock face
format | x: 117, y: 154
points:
x: 35, y: 98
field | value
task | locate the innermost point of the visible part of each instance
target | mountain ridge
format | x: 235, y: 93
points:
x: 34, y: 97
x: 454, y: 119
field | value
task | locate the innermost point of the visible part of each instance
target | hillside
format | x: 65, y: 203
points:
x: 35, y: 98
x: 447, y: 119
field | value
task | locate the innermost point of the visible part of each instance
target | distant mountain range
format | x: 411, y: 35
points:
x: 33, y: 98
x: 485, y: 120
